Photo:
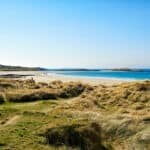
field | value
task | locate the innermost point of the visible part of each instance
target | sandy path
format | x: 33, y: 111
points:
x: 12, y: 120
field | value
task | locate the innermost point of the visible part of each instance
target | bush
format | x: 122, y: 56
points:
x: 30, y: 96
x: 2, y: 98
x: 5, y: 85
x: 85, y: 137
x: 142, y: 86
x: 56, y: 84
x: 72, y: 90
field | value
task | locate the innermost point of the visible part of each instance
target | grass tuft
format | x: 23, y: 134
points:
x: 83, y: 136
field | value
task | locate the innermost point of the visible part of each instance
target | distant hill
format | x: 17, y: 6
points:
x: 19, y: 68
x: 127, y: 69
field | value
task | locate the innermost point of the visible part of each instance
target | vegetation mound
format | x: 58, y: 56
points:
x: 126, y: 94
x: 2, y: 99
x: 30, y: 96
x: 121, y: 110
x: 71, y: 90
x: 29, y: 90
x: 83, y: 136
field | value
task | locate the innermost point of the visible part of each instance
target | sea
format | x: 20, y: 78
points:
x: 142, y: 74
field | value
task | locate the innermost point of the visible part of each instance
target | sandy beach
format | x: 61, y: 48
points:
x: 41, y: 76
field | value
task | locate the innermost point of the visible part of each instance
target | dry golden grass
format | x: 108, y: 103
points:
x: 29, y: 90
x: 84, y: 136
x: 120, y: 114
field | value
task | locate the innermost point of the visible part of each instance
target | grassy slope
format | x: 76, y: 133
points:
x: 121, y: 111
x: 23, y: 132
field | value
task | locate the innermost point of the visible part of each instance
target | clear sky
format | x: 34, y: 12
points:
x: 75, y: 33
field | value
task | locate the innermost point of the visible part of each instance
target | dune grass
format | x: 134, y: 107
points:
x: 62, y: 116
x: 29, y: 90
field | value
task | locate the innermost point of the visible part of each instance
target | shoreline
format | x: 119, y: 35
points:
x: 43, y: 76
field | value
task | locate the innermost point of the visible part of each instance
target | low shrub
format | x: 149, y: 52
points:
x: 71, y: 90
x: 44, y: 93
x: 5, y: 85
x: 2, y: 98
x: 30, y: 96
x: 85, y: 137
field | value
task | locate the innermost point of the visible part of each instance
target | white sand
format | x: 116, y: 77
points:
x: 40, y: 76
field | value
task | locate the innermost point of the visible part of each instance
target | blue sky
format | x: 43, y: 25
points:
x: 75, y: 33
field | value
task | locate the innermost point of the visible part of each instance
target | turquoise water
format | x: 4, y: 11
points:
x: 136, y: 75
